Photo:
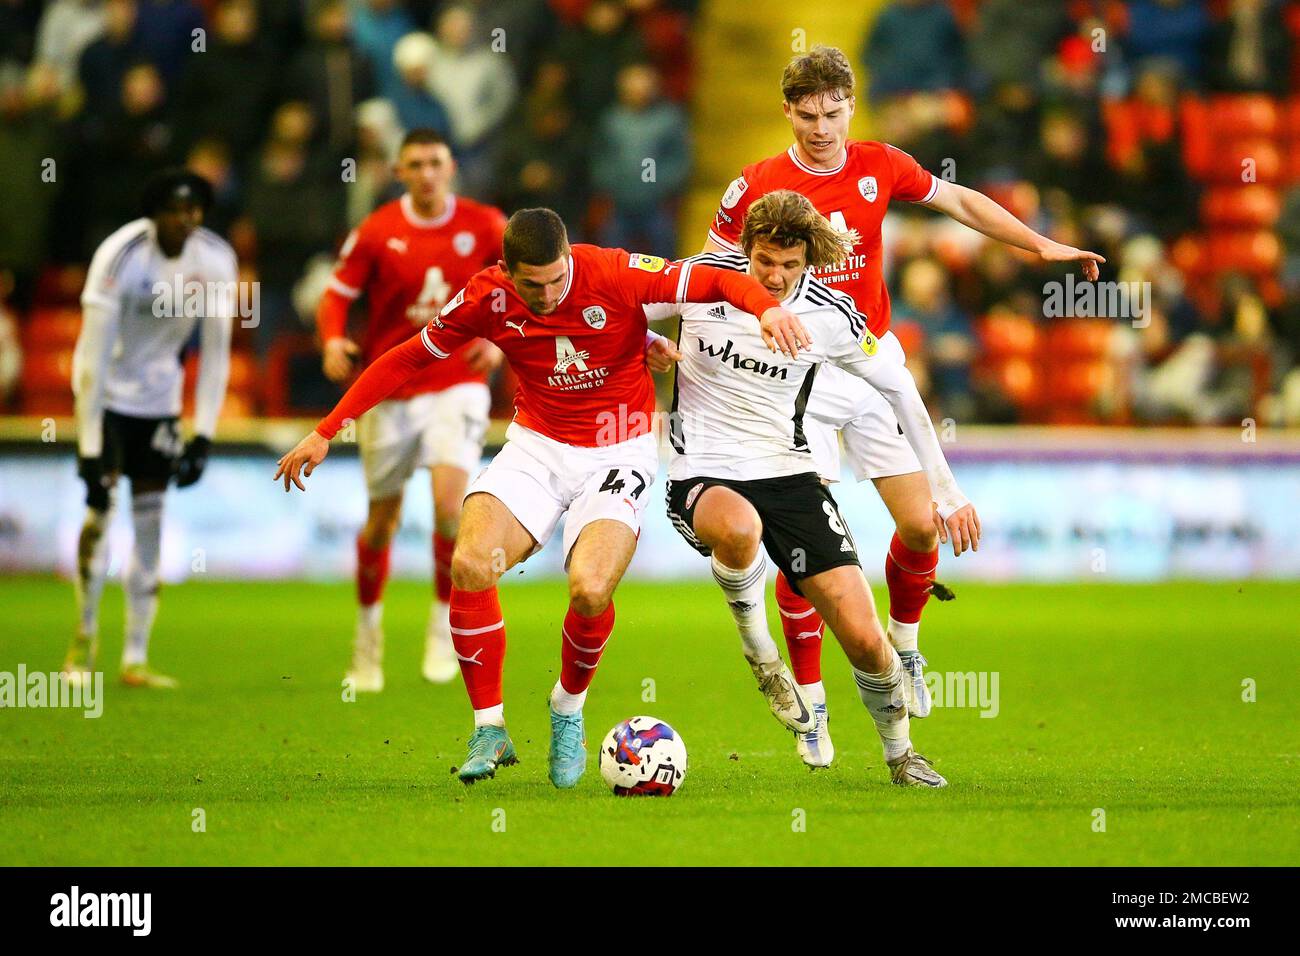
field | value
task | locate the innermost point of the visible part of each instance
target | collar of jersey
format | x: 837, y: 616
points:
x: 568, y: 284
x: 794, y: 158
x: 422, y: 222
x: 796, y: 291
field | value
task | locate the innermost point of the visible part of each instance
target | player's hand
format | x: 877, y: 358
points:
x: 482, y: 356
x: 340, y: 359
x: 91, y: 471
x: 1059, y: 252
x: 962, y: 526
x: 782, y: 331
x: 662, y: 354
x: 189, y: 468
x: 309, y: 452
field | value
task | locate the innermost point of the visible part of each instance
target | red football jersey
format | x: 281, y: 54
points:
x: 582, y: 373
x: 409, y: 266
x: 856, y: 195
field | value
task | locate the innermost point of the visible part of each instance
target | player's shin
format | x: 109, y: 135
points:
x: 803, y: 628
x: 439, y: 653
x: 479, y: 634
x: 745, y: 592
x: 141, y: 579
x: 582, y: 642
x: 882, y: 695
x: 92, y: 573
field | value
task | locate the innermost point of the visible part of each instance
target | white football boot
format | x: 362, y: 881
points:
x: 915, y: 692
x: 815, y: 747
x: 914, y: 770
x: 440, y: 664
x: 367, y: 670
x: 787, y: 701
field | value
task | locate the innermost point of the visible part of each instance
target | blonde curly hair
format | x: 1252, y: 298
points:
x: 784, y: 218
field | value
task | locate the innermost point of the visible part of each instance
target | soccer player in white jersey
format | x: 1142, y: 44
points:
x: 743, y: 474
x: 127, y: 378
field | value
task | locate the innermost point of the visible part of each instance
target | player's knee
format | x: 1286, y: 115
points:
x: 738, y: 543
x: 471, y: 570
x: 590, y: 593
x: 917, y: 532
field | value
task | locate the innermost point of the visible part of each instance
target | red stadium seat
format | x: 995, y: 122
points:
x: 1244, y: 116
x: 1256, y: 253
x: 1019, y: 379
x: 1254, y: 206
x: 1005, y: 335
x: 1230, y: 161
x: 1082, y: 338
x: 47, y: 382
x: 1077, y: 384
x: 51, y: 328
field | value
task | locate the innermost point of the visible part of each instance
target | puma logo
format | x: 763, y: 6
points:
x: 518, y: 328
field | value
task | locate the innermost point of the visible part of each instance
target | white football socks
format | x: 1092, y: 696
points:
x: 882, y: 694
x: 491, y: 716
x: 903, y: 636
x: 141, y: 578
x: 745, y: 592
x: 814, y: 693
x: 92, y: 568
x: 565, y: 703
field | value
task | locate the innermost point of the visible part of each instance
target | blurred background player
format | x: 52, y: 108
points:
x: 407, y: 257
x: 127, y: 378
x: 851, y: 182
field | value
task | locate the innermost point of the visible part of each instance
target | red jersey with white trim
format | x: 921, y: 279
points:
x: 409, y: 266
x: 855, y: 195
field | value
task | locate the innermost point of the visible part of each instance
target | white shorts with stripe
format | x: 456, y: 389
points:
x: 435, y: 428
x: 843, y: 404
x: 541, y: 480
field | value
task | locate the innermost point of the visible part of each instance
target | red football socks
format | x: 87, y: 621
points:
x: 909, y: 575
x: 479, y: 634
x: 583, y: 640
x: 803, y: 628
x: 372, y: 572
x: 442, y: 549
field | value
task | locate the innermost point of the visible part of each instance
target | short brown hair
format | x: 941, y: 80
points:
x: 423, y: 136
x: 534, y: 237
x: 785, y: 218
x: 823, y: 69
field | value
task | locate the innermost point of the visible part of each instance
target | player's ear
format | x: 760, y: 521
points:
x: 501, y: 264
x: 785, y: 106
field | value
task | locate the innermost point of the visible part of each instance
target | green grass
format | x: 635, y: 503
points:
x: 1124, y: 698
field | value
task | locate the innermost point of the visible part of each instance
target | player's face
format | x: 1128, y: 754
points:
x: 540, y: 286
x: 777, y: 268
x: 426, y: 169
x: 821, y: 125
x: 175, y: 222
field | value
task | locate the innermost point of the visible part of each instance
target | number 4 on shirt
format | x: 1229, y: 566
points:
x: 614, y: 482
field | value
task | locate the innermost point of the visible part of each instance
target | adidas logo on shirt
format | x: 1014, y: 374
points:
x: 718, y: 312
x: 845, y: 546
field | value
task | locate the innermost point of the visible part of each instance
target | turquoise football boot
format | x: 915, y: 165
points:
x: 568, y: 757
x: 489, y: 748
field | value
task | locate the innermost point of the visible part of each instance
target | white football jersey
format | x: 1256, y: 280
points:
x: 738, y: 408
x: 139, y: 310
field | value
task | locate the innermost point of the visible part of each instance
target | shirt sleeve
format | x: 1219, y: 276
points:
x: 461, y: 319
x: 348, y: 280
x: 214, y: 355
x: 649, y: 280
x: 381, y: 378
x: 854, y: 349
x: 730, y: 217
x: 912, y: 182
x: 100, y: 313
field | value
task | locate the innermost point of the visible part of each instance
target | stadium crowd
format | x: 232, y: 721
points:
x: 1161, y: 133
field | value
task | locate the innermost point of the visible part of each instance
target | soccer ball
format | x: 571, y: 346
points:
x: 643, y: 756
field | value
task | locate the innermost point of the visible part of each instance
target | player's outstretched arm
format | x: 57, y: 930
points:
x: 304, y: 458
x: 976, y: 210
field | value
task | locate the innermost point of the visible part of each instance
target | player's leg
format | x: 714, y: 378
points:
x: 374, y: 544
x: 490, y: 542
x: 909, y: 572
x: 456, y: 424
x: 149, y: 460
x: 608, y: 494
x: 92, y: 573
x: 725, y: 525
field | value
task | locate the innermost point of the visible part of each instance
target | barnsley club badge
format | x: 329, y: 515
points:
x: 463, y: 243
x: 734, y: 192
x: 594, y: 316
x: 867, y: 186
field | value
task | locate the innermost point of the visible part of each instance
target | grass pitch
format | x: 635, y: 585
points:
x: 1122, y: 699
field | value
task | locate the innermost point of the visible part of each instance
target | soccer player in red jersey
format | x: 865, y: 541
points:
x: 407, y: 257
x: 851, y: 182
x: 572, y: 323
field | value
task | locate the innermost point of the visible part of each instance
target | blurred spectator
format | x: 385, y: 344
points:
x: 18, y: 22
x: 226, y: 93
x: 949, y: 339
x: 211, y: 159
x: 379, y: 136
x: 1173, y: 30
x: 67, y: 27
x: 416, y: 107
x: 604, y: 43
x: 330, y: 75
x: 914, y: 45
x: 641, y: 161
x: 477, y: 87
x: 296, y: 206
x: 543, y: 155
x: 1012, y: 39
x: 1069, y: 159
x: 1153, y: 179
x: 104, y: 61
x: 377, y: 25
x: 167, y: 32
x: 1250, y: 49
x: 30, y: 137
